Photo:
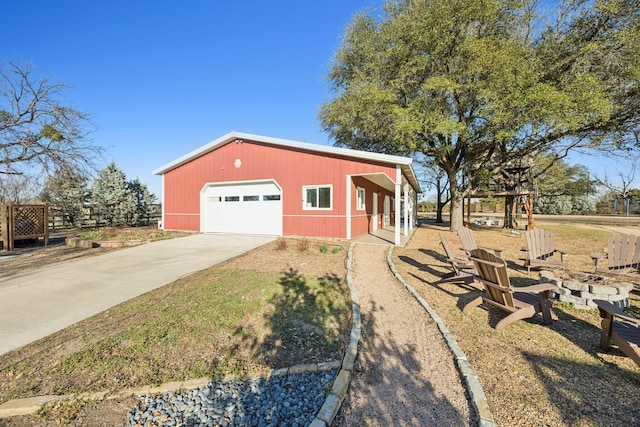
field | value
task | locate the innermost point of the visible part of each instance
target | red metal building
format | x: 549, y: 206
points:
x: 252, y: 184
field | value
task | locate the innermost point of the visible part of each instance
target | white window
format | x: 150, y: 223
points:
x: 360, y: 203
x: 316, y: 197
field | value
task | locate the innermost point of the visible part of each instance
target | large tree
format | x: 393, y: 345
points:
x: 39, y: 130
x: 475, y: 83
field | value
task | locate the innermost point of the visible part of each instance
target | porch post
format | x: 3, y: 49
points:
x: 406, y: 209
x: 415, y: 208
x: 398, y: 195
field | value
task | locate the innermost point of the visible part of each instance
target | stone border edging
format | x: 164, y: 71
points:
x: 334, y: 398
x: 31, y: 405
x: 325, y: 416
x: 469, y: 377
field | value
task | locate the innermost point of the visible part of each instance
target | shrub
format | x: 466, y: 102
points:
x: 553, y: 205
x: 324, y: 249
x: 303, y: 244
x: 583, y: 205
x: 281, y: 244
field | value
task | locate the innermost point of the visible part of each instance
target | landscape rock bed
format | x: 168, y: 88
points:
x: 582, y: 288
x: 292, y: 400
x: 78, y: 242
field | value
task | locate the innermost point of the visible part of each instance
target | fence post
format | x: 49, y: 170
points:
x: 4, y: 217
x: 10, y: 226
x: 45, y: 223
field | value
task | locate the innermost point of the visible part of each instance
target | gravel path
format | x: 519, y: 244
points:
x: 404, y: 374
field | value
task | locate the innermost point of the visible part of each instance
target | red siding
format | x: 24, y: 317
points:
x: 291, y: 168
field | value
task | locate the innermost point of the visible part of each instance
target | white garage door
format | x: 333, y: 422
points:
x: 243, y: 208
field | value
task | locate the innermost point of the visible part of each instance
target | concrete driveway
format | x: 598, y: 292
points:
x: 40, y: 302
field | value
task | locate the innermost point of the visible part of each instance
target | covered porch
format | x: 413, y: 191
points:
x: 384, y: 236
x: 391, y: 215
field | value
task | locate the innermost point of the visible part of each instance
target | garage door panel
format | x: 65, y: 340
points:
x: 244, y: 208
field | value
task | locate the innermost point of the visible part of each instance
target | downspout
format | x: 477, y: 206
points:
x: 348, y: 207
x: 161, y: 225
x: 398, y: 194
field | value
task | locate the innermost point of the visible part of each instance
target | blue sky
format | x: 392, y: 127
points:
x: 162, y: 78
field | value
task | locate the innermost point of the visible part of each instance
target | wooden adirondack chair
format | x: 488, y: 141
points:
x: 462, y: 268
x: 469, y: 242
x: 521, y: 302
x: 540, y: 250
x: 620, y: 328
x: 623, y: 257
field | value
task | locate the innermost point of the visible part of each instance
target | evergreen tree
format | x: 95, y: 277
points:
x: 111, y: 198
x: 144, y: 201
x: 66, y: 191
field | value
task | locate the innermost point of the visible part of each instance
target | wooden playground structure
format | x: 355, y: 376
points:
x: 515, y: 184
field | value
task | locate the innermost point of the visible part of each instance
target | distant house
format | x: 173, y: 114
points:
x: 251, y: 184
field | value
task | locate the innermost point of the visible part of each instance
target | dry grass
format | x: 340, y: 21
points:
x: 270, y: 308
x: 532, y: 374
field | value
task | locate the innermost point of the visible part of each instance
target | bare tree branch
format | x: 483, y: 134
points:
x: 38, y: 132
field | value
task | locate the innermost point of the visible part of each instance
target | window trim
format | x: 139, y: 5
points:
x: 361, y: 202
x: 316, y: 187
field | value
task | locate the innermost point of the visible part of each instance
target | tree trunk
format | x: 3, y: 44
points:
x: 439, y: 219
x: 440, y: 205
x: 508, y: 212
x: 457, y: 200
x: 528, y: 207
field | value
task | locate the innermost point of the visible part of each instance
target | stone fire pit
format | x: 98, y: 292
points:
x: 580, y: 289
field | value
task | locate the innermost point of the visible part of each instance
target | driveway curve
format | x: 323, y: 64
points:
x: 39, y: 302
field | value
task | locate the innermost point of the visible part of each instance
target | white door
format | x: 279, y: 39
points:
x: 242, y: 208
x: 387, y: 211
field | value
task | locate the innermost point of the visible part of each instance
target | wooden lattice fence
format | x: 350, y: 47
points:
x: 22, y: 222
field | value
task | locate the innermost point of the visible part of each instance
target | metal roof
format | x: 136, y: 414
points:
x: 403, y: 162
